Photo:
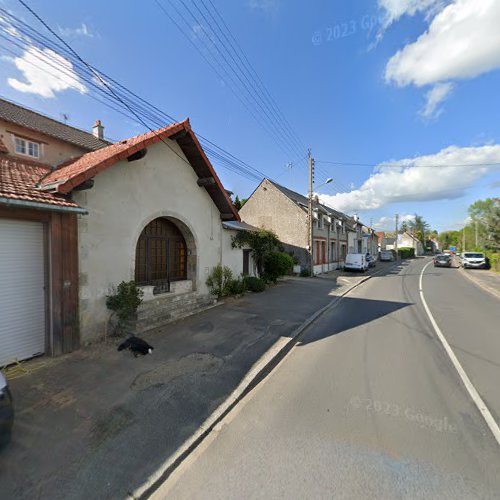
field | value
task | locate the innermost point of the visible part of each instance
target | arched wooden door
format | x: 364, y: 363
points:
x: 160, y: 255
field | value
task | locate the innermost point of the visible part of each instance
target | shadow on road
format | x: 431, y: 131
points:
x: 355, y: 312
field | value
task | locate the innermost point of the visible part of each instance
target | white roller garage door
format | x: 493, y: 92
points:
x: 22, y: 294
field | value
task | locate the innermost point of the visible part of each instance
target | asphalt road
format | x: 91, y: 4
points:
x: 368, y: 405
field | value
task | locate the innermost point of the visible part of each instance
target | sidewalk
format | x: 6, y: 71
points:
x: 487, y: 280
x: 97, y: 423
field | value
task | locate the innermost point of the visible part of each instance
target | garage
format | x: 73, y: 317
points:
x: 22, y: 290
x: 38, y: 266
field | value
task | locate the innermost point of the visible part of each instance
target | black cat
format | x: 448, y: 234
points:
x: 137, y: 346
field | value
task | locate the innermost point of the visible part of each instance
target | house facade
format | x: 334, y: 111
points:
x: 277, y: 208
x: 38, y: 236
x: 150, y: 208
x: 155, y: 214
x: 407, y: 239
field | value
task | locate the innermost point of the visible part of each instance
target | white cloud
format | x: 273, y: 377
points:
x: 45, y: 73
x: 388, y: 223
x: 463, y: 41
x: 418, y: 179
x: 434, y: 98
x: 268, y: 6
x: 81, y: 31
x: 395, y: 9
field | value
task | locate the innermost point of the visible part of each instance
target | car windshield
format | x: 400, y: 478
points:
x: 443, y: 257
x: 474, y: 255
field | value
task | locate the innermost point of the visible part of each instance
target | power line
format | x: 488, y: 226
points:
x: 233, y: 78
x: 409, y: 164
x: 250, y: 70
x: 133, y: 106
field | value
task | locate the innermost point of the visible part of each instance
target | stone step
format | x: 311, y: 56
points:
x: 167, y: 298
x: 174, y: 306
x: 143, y: 326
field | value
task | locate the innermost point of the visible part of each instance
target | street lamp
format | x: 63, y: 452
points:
x: 326, y: 182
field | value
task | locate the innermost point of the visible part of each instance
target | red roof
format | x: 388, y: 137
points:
x: 18, y: 178
x: 74, y: 172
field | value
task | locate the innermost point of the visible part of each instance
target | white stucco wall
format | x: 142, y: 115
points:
x: 124, y: 199
x: 233, y: 257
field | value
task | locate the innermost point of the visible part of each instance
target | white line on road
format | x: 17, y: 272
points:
x: 481, y: 406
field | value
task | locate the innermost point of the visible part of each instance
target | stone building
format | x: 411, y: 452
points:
x: 277, y: 208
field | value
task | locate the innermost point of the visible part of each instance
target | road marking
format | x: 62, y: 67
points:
x: 478, y: 401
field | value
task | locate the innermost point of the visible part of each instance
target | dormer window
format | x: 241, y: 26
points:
x: 27, y: 148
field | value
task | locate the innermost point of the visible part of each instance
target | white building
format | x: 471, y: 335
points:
x: 156, y: 214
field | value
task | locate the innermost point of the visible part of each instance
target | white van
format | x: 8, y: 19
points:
x: 356, y: 262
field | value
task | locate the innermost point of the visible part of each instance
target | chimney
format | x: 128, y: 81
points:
x: 98, y: 130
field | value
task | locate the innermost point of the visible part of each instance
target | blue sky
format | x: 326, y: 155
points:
x: 367, y: 82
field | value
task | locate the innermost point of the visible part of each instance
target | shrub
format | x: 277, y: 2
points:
x: 277, y: 264
x: 219, y: 280
x: 406, y: 252
x: 305, y: 273
x: 254, y: 284
x: 494, y: 261
x: 237, y: 286
x: 124, y: 300
x: 261, y: 242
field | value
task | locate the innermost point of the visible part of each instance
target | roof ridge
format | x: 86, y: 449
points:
x: 31, y: 110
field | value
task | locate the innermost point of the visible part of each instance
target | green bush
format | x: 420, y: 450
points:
x: 406, y: 252
x: 124, y: 300
x: 277, y: 264
x: 254, y: 284
x: 305, y: 273
x: 219, y: 281
x: 494, y: 261
x: 237, y: 287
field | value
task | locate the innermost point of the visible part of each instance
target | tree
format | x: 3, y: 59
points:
x: 479, y: 209
x: 492, y: 223
x: 262, y: 242
x: 419, y: 227
x: 239, y: 203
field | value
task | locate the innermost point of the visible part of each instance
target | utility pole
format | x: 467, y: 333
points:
x: 310, y: 214
x: 475, y: 230
x: 396, y: 242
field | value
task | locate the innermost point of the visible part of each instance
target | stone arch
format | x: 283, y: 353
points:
x: 165, y: 253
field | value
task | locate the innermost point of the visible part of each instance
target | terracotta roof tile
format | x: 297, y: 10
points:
x: 18, y: 179
x: 74, y: 172
x: 78, y: 170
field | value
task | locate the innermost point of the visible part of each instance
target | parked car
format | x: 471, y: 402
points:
x: 386, y: 256
x: 6, y: 411
x: 356, y: 262
x: 372, y: 261
x: 442, y: 260
x: 475, y: 260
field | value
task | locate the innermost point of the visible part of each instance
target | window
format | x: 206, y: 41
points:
x: 160, y: 255
x: 333, y: 254
x: 320, y: 221
x: 28, y: 148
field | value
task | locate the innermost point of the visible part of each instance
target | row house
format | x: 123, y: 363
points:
x: 277, y: 208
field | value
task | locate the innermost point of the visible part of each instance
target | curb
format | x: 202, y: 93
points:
x: 480, y: 284
x: 257, y: 373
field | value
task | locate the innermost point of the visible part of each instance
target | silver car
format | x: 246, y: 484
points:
x: 474, y: 260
